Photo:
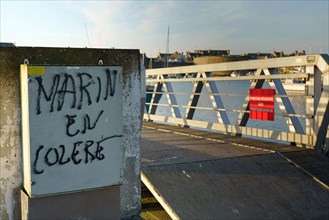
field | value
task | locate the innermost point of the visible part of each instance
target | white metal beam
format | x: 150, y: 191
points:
x: 155, y: 97
x: 194, y: 98
x: 229, y: 78
x: 171, y: 98
x: 235, y: 129
x: 216, y: 100
x: 244, y: 117
x: 307, y: 60
x: 285, y: 105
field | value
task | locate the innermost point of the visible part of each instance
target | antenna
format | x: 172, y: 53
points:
x: 99, y: 39
x: 87, y: 34
x: 310, y: 48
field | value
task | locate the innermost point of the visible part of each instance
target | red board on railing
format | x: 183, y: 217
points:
x: 261, y: 103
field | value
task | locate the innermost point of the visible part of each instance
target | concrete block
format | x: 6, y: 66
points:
x: 93, y: 204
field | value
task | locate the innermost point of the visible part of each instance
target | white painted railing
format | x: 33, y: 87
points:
x: 308, y: 128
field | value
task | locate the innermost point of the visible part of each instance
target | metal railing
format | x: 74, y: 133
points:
x: 187, y: 95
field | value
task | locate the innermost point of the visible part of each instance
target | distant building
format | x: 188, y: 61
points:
x: 201, y: 53
x: 6, y: 44
x: 298, y: 53
x: 213, y: 52
x: 198, y: 57
x: 259, y: 55
x: 172, y: 57
x: 278, y: 54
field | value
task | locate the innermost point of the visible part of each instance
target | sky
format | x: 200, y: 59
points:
x: 239, y: 26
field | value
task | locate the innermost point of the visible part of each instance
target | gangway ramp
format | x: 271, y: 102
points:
x: 201, y: 175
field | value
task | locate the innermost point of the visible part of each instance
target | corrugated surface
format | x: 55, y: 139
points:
x: 151, y: 209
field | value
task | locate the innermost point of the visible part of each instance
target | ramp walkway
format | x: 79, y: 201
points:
x: 196, y: 174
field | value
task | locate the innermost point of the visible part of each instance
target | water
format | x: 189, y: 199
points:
x: 231, y: 102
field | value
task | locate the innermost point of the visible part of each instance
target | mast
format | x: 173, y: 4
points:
x: 167, y: 48
x: 87, y: 34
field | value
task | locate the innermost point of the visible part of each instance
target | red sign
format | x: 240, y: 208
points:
x: 261, y: 103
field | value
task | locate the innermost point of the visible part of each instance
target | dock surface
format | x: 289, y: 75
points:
x: 196, y: 174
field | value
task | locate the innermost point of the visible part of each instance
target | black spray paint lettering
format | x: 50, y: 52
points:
x: 79, y: 86
x: 87, y: 152
x: 109, y: 83
x: 83, y: 88
x: 61, y: 162
x: 63, y: 91
x: 51, y: 96
x: 87, y: 124
x: 36, y: 160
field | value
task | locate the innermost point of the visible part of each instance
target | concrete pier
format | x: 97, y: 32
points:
x: 196, y: 174
x: 11, y: 165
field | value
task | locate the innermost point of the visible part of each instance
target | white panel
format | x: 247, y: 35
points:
x: 75, y: 124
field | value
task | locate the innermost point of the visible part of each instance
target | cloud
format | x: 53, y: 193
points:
x: 122, y: 23
x: 235, y: 25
